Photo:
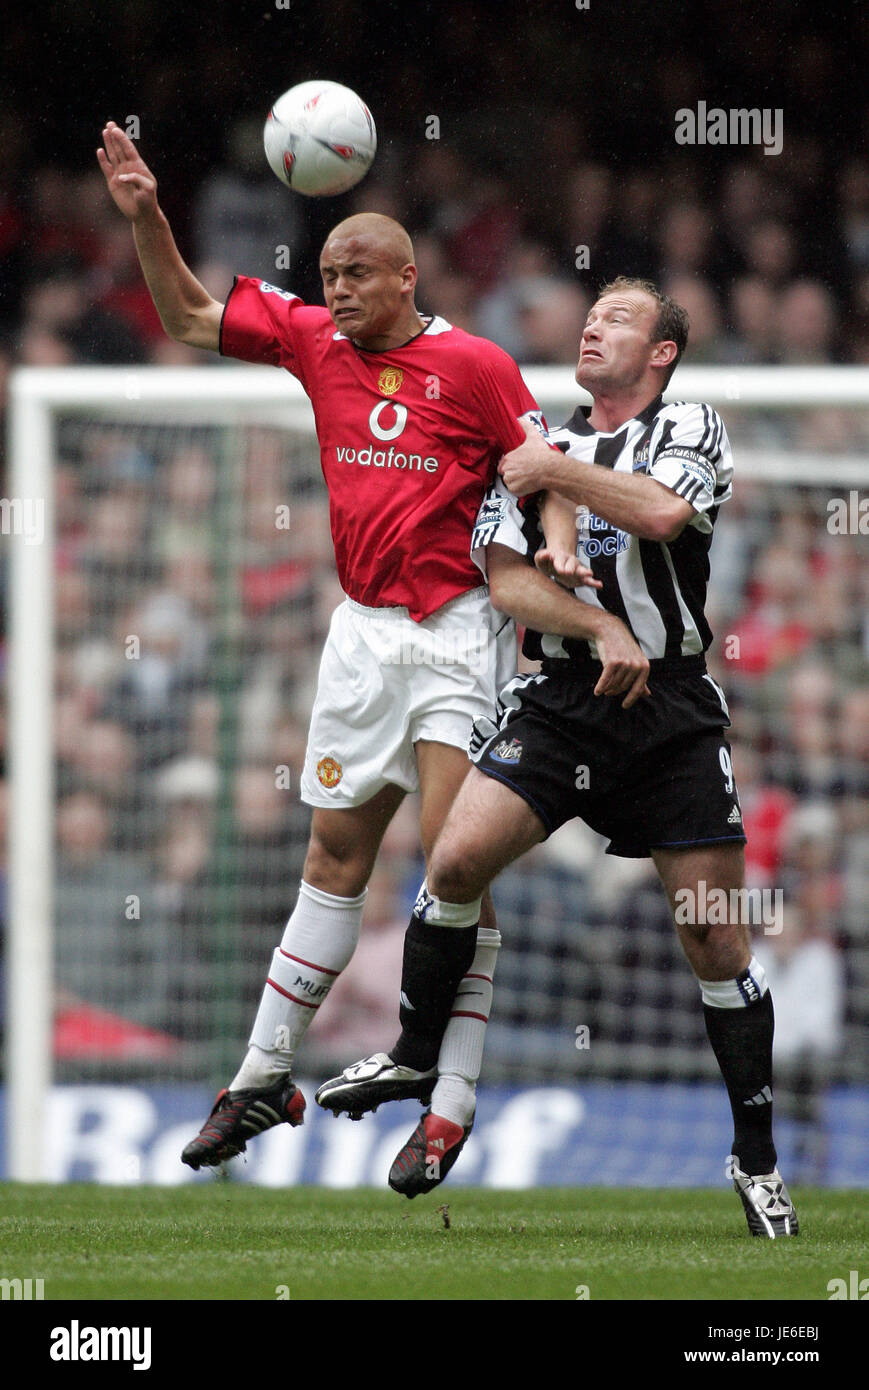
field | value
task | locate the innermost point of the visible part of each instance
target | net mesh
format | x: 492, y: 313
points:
x: 195, y: 586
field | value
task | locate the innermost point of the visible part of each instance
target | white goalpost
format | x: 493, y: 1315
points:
x: 233, y: 396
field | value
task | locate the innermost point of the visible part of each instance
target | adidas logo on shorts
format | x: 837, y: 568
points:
x: 735, y: 817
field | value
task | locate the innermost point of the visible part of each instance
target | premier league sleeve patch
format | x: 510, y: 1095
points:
x: 498, y: 520
x: 266, y: 288
x: 535, y: 417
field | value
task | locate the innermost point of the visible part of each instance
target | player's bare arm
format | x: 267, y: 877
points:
x: 531, y: 599
x: 634, y: 502
x: 187, y: 311
x: 557, y: 558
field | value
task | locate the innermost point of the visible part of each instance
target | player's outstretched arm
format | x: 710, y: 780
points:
x: 536, y: 602
x: 632, y: 501
x: 187, y: 311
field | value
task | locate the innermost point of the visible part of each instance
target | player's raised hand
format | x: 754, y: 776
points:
x: 129, y: 180
x: 565, y: 569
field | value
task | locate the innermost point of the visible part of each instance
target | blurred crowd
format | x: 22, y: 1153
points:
x: 523, y: 194
x: 733, y: 251
x: 187, y: 641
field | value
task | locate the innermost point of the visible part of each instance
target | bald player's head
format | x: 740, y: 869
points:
x: 369, y: 279
x: 381, y: 235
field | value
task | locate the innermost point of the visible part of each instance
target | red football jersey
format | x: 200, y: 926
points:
x: 409, y: 440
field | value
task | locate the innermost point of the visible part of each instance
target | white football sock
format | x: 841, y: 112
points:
x: 318, y: 942
x: 461, y: 1055
x: 746, y: 989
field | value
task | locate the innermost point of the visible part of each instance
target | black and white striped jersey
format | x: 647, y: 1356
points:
x: 657, y: 588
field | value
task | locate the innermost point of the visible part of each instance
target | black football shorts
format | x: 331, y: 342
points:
x: 656, y: 776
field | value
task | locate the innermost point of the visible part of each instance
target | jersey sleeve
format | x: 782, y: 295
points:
x: 501, y: 398
x: 258, y: 325
x: 692, y: 456
x: 500, y: 522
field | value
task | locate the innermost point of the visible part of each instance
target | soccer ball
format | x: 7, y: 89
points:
x: 320, y: 139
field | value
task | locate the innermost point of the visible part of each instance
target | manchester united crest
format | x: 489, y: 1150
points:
x: 390, y: 380
x: 329, y: 772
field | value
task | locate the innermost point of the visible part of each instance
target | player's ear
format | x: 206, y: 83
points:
x: 409, y: 277
x: 664, y: 354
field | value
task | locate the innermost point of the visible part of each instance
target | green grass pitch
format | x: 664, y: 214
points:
x: 227, y: 1240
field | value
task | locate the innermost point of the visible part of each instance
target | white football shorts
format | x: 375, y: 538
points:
x: 386, y: 681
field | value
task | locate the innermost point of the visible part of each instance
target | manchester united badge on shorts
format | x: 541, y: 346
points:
x: 329, y: 772
x: 390, y: 380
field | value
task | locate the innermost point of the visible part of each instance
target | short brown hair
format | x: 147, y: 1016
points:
x: 671, y: 325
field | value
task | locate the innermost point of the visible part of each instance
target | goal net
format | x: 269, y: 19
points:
x: 171, y: 580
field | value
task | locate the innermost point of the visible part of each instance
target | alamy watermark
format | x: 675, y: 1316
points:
x: 853, y: 1288
x: 848, y: 516
x: 77, y: 1343
x: 713, y: 125
x: 23, y: 516
x: 468, y: 647
x: 750, y: 907
x: 25, y: 1290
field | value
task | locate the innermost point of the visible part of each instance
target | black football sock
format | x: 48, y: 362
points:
x: 741, y: 1039
x: 436, y: 959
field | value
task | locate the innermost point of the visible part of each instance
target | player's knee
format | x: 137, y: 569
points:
x: 723, y: 937
x: 717, y: 950
x: 451, y: 877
